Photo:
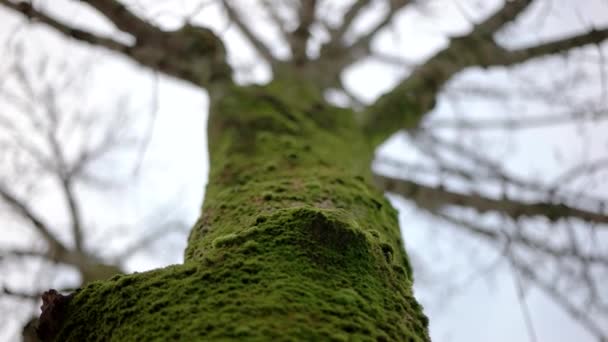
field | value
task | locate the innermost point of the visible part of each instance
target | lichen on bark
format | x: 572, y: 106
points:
x: 293, y: 242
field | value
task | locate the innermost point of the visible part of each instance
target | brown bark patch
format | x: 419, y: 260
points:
x: 54, y: 306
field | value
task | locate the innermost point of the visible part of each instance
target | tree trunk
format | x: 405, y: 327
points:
x: 293, y: 243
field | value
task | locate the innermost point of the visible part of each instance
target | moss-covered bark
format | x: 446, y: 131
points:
x: 293, y: 242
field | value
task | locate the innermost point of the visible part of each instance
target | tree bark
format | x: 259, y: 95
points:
x: 293, y: 243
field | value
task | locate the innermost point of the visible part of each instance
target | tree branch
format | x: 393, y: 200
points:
x: 518, y: 238
x: 340, y: 55
x: 63, y: 172
x: 23, y: 253
x: 258, y: 45
x: 498, y: 56
x: 28, y: 11
x: 21, y: 295
x: 337, y: 35
x: 565, y: 301
x: 39, y: 225
x: 566, y: 262
x: 193, y: 53
x: 149, y: 238
x: 508, y: 13
x: 406, y: 104
x: 436, y: 197
x: 276, y: 18
x: 299, y: 37
x: 362, y: 46
x: 74, y: 210
x: 409, y: 101
x: 124, y: 19
x: 535, y: 121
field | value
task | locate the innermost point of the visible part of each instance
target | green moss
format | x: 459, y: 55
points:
x: 293, y: 242
x: 312, y: 276
x: 225, y: 240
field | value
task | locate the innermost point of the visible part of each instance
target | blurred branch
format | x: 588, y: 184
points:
x: 74, y: 210
x: 124, y: 19
x: 20, y: 294
x: 521, y: 298
x: 498, y: 56
x: 26, y: 213
x: 565, y: 301
x: 362, y: 46
x: 518, y: 238
x: 257, y: 44
x: 429, y: 197
x: 299, y: 37
x: 63, y: 176
x: 535, y: 121
x: 151, y: 123
x: 339, y: 55
x: 495, y: 171
x: 20, y: 253
x: 569, y: 263
x: 395, y: 61
x: 337, y: 34
x: 168, y: 52
x: 27, y: 10
x: 276, y: 18
x: 478, y: 48
x: 149, y: 238
x: 509, y: 12
x: 408, y: 102
x: 579, y: 170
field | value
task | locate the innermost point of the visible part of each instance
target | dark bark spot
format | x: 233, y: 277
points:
x: 53, y: 308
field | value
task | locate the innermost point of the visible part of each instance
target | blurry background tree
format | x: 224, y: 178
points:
x: 504, y: 178
x: 59, y: 146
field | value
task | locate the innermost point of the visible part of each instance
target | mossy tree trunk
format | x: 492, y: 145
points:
x: 293, y: 242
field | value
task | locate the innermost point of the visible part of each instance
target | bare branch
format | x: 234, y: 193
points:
x: 342, y: 55
x: 395, y: 61
x: 518, y: 238
x: 276, y: 18
x: 409, y: 101
x: 535, y: 121
x: 561, y: 257
x: 337, y: 35
x: 302, y: 33
x: 495, y: 171
x: 436, y: 197
x: 74, y: 210
x: 66, y: 185
x: 149, y: 238
x: 25, y: 212
x: 31, y: 13
x: 20, y: 294
x: 124, y: 19
x: 192, y: 53
x: 560, y: 299
x: 21, y: 253
x: 508, y: 13
x: 29, y: 295
x: 500, y: 56
x: 525, y: 310
x: 362, y: 46
x: 258, y: 45
x: 578, y: 170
